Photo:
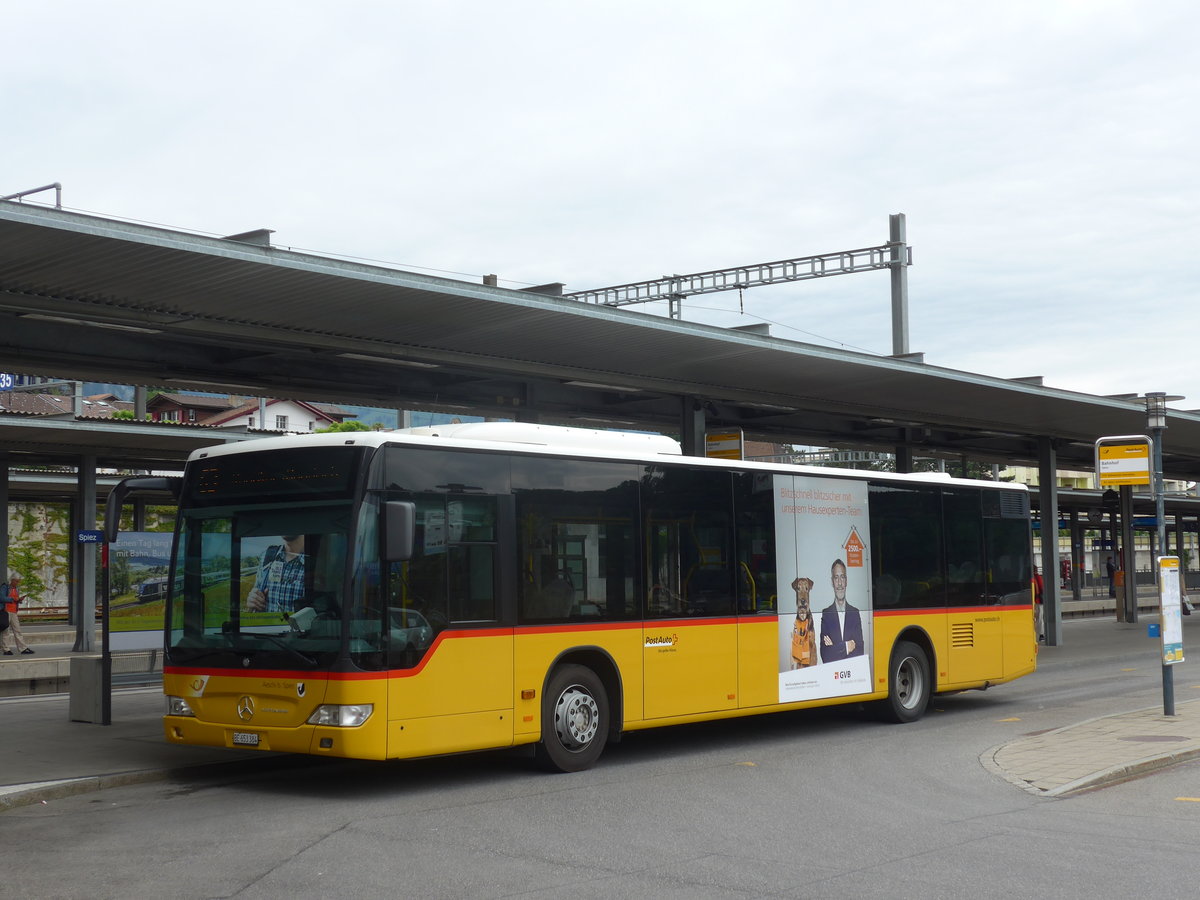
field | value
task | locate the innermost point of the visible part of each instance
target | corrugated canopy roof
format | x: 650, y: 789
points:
x: 98, y: 299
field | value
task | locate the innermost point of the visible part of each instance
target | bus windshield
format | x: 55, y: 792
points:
x: 260, y: 585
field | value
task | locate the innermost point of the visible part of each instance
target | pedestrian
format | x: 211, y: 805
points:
x: 1112, y: 576
x: 11, y: 637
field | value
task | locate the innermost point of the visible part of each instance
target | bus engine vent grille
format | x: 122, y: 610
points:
x: 962, y: 634
x: 1014, y: 505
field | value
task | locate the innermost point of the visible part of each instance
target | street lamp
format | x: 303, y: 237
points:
x: 1156, y: 422
x: 1156, y: 408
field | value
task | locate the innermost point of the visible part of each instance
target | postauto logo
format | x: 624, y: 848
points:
x: 661, y: 640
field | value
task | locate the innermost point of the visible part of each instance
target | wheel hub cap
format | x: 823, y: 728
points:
x: 576, y: 718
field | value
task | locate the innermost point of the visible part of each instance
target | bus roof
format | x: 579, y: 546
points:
x: 525, y: 437
x: 556, y: 436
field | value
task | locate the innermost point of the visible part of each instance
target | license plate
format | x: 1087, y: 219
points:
x: 245, y: 738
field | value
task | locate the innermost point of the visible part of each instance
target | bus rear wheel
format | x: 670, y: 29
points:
x: 574, y: 720
x: 909, y: 684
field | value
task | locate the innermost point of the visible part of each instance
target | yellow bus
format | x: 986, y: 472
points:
x: 389, y: 595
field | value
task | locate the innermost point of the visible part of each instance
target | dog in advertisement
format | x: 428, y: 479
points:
x: 804, y: 632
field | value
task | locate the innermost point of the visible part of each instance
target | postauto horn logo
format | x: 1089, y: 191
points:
x: 661, y: 640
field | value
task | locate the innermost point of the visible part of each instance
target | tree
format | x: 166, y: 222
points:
x: 351, y: 425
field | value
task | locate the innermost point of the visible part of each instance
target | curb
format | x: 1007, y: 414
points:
x: 1099, y: 778
x: 1126, y: 772
x: 14, y: 796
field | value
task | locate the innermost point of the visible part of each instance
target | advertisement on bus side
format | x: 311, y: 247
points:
x: 823, y: 552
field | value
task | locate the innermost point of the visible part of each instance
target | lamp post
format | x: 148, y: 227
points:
x: 1156, y: 423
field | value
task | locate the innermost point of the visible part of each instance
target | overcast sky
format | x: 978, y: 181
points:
x: 1044, y: 153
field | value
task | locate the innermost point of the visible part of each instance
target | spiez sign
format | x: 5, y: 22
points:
x: 1123, y: 460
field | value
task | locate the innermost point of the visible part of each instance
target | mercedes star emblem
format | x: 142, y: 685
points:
x: 245, y: 709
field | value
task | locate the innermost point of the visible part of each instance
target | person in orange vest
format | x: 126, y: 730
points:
x: 11, y: 636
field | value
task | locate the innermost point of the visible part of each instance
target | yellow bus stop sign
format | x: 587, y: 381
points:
x: 724, y: 445
x: 1123, y: 461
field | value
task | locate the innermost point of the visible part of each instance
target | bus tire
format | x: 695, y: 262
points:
x: 574, y: 720
x: 909, y: 684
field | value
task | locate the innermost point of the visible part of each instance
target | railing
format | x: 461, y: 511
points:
x: 137, y: 667
x: 43, y: 613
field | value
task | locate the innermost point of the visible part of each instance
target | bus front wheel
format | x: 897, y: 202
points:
x: 574, y: 720
x: 909, y: 683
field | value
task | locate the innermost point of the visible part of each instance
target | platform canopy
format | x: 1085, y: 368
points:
x: 103, y: 300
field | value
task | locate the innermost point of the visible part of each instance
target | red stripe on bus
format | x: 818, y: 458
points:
x: 941, y: 611
x: 252, y: 673
x: 652, y: 624
x: 297, y: 675
x: 564, y: 628
x: 581, y: 626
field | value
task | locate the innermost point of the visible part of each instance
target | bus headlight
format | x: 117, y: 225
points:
x: 177, y: 706
x: 342, y: 716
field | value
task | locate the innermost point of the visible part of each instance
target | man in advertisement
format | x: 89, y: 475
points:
x: 841, y: 624
x: 280, y: 583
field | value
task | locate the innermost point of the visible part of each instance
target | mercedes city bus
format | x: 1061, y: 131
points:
x: 384, y: 595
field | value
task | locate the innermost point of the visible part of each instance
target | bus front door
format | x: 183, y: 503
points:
x: 690, y: 666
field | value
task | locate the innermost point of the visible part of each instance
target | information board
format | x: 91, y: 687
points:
x: 1172, y: 621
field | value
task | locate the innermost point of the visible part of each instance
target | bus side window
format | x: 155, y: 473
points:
x: 577, y: 557
x: 689, y: 541
x: 962, y: 510
x: 472, y: 583
x: 754, y: 518
x: 907, y: 542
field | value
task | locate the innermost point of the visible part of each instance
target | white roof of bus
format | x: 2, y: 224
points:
x: 577, y: 442
x: 557, y: 436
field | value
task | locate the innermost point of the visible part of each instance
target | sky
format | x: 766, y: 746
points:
x: 1043, y: 153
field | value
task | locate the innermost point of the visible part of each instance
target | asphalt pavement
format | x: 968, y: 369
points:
x: 47, y: 756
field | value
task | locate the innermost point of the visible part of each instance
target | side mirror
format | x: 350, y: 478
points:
x: 160, y: 484
x: 399, y: 529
